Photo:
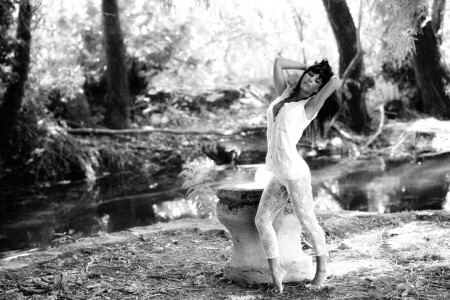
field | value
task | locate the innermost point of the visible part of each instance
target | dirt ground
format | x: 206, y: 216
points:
x: 372, y: 256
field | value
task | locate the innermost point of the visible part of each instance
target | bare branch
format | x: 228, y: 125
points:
x: 379, y: 130
x: 299, y: 24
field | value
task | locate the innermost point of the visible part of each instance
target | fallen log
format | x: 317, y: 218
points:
x: 430, y: 125
x: 105, y: 131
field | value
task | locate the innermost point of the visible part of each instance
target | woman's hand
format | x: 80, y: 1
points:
x: 313, y: 107
x: 279, y: 65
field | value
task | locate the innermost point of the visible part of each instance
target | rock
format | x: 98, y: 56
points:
x: 344, y: 246
x: 213, y: 232
x: 221, y: 154
x: 158, y: 119
x: 376, y: 296
x: 394, y: 109
x: 401, y: 286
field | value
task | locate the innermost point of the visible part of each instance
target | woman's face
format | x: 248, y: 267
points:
x: 311, y: 83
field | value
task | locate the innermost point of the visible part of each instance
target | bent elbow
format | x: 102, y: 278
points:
x: 335, y: 81
x: 277, y: 62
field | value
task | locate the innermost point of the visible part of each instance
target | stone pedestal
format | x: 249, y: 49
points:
x: 236, y: 210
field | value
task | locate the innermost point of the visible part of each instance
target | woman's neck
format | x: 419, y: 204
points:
x: 302, y: 95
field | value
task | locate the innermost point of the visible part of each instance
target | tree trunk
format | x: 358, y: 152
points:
x: 355, y: 111
x: 118, y: 100
x: 430, y: 73
x: 12, y: 99
x: 437, y: 18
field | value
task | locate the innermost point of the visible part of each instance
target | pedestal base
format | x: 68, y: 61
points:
x: 236, y: 210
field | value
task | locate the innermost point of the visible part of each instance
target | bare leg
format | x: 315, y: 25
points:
x: 278, y: 272
x: 321, y: 271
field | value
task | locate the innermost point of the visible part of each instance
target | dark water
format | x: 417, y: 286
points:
x: 376, y: 185
x: 38, y: 217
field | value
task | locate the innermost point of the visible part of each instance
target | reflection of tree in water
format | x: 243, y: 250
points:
x: 82, y: 218
x: 375, y: 188
x: 129, y: 200
x: 353, y: 190
x: 46, y: 212
x: 326, y: 195
x: 381, y: 192
x: 131, y: 211
x: 425, y: 186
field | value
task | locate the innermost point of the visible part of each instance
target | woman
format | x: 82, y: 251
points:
x: 311, y: 105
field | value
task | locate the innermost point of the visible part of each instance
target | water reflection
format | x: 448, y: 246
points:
x: 379, y: 186
x: 176, y: 209
x: 31, y: 217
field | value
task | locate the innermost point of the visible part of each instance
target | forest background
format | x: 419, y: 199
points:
x: 145, y: 88
x: 96, y: 87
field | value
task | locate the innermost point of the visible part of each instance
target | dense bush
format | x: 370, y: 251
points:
x: 42, y: 151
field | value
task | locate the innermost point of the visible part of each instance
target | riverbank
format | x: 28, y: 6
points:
x: 372, y: 256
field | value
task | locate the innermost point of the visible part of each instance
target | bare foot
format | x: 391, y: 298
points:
x: 321, y: 271
x: 278, y: 275
x: 319, y: 279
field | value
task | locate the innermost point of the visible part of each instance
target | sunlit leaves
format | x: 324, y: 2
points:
x: 197, y: 180
x: 57, y: 47
x: 6, y: 41
x: 401, y: 20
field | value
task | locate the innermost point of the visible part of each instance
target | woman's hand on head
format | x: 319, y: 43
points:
x: 279, y: 65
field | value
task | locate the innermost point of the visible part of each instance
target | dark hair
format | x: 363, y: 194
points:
x: 326, y: 115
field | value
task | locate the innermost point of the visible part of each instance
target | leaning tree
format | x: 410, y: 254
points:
x: 411, y: 32
x: 351, y: 65
x: 431, y: 74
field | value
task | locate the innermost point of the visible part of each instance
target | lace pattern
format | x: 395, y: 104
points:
x: 273, y: 201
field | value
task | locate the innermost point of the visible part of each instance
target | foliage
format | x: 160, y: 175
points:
x: 6, y: 42
x: 189, y: 52
x: 401, y: 20
x: 385, y: 91
x: 193, y: 50
x: 197, y: 181
x: 185, y: 49
x: 42, y: 151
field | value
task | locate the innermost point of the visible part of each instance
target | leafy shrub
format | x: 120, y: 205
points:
x: 40, y: 150
x: 198, y: 182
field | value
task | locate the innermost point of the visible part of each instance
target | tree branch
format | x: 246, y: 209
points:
x: 299, y: 24
x: 380, y: 128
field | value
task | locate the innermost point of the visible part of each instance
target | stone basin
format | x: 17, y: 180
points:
x: 236, y: 210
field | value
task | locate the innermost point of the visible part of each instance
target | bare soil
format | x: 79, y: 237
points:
x: 372, y: 256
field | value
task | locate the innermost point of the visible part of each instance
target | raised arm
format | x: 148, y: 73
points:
x: 278, y: 75
x: 313, y: 107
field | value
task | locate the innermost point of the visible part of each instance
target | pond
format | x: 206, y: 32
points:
x: 41, y: 217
